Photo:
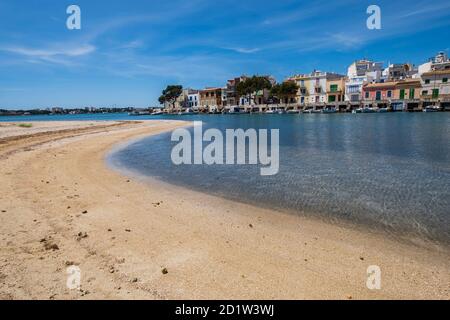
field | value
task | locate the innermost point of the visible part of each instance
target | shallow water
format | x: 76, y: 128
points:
x: 388, y: 171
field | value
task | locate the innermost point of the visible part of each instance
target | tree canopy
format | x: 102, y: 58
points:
x: 171, y: 94
x: 250, y: 86
x: 284, y: 90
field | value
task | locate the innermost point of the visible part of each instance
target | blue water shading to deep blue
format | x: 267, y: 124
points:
x: 389, y: 171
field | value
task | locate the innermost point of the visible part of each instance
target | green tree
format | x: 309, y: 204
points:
x: 171, y: 94
x: 284, y: 90
x: 250, y: 86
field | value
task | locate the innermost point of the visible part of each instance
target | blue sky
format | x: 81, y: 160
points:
x: 127, y: 51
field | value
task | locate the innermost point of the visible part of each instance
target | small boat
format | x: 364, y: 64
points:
x: 329, y: 110
x: 359, y: 110
x: 368, y: 110
x: 188, y: 111
x: 271, y: 111
x: 308, y: 111
x: 383, y: 110
x: 281, y: 111
x: 431, y: 109
x: 236, y: 110
x: 139, y: 113
x: 293, y: 111
x: 157, y: 113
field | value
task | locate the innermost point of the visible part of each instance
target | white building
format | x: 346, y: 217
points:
x: 398, y: 71
x: 313, y: 86
x: 439, y: 62
x: 359, y: 73
x: 194, y: 99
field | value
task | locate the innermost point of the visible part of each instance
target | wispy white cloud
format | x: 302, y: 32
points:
x: 243, y: 50
x: 135, y: 44
x: 54, y: 55
x: 426, y: 8
x: 48, y: 53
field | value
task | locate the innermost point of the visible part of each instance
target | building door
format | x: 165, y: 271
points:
x: 378, y: 96
x: 435, y: 93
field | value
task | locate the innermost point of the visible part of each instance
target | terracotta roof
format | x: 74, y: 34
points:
x: 436, y: 72
x: 409, y: 82
x: 211, y: 89
x: 381, y: 85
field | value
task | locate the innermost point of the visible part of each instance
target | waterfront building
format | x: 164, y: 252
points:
x: 211, y: 99
x: 434, y: 76
x: 304, y: 84
x: 313, y: 88
x: 399, y: 71
x: 407, y: 95
x: 439, y: 62
x: 336, y: 92
x: 232, y: 97
x: 378, y: 95
x: 436, y: 88
x: 402, y: 95
x: 258, y: 99
x: 359, y: 73
x: 194, y: 99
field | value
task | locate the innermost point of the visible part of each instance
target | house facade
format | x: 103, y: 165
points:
x: 336, y: 90
x: 194, y: 99
x: 313, y: 88
x: 211, y: 99
x: 407, y: 95
x: 231, y: 96
x: 378, y: 94
x: 398, y: 71
x: 436, y: 88
x: 359, y: 73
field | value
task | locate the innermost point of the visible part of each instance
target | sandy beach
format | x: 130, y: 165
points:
x: 62, y: 206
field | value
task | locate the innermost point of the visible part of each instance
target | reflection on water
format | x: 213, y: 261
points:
x: 384, y: 170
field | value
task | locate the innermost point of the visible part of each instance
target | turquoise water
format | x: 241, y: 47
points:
x: 386, y: 171
x: 70, y: 117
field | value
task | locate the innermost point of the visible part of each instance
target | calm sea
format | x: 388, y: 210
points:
x: 386, y: 171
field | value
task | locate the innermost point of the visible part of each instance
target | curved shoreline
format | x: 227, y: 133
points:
x: 399, y: 233
x: 213, y: 248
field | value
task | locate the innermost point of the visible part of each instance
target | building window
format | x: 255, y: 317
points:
x: 445, y: 80
x: 389, y: 94
x: 402, y: 94
x: 378, y: 95
x: 435, y: 93
x: 411, y: 94
x: 424, y: 92
x: 427, y: 81
x: 333, y: 87
x: 367, y: 94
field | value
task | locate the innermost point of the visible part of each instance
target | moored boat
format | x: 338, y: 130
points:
x: 329, y: 110
x: 431, y: 109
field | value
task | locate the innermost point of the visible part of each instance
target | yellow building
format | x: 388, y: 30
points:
x: 336, y: 90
